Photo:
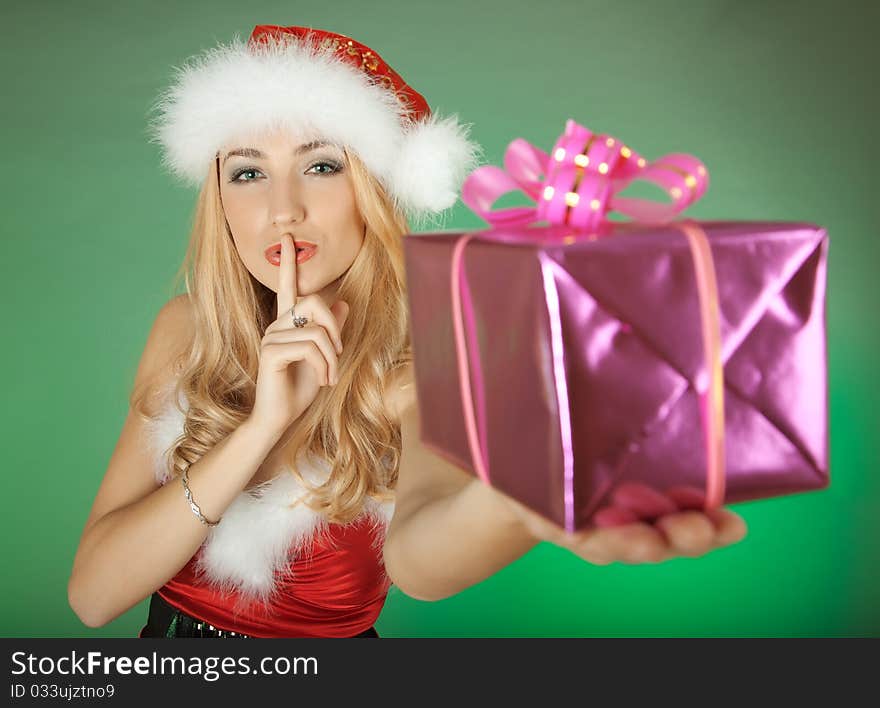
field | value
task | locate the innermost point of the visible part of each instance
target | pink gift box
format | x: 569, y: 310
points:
x: 586, y: 364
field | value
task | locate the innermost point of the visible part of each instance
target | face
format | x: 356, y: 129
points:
x: 283, y: 183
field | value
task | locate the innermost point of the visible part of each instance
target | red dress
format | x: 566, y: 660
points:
x: 338, y: 588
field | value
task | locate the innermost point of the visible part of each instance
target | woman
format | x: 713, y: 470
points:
x: 269, y: 480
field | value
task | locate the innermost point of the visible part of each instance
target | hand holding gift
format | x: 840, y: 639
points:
x: 642, y: 526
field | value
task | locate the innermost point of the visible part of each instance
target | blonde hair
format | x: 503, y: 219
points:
x: 347, y: 424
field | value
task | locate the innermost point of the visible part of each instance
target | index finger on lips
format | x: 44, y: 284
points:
x: 286, y: 276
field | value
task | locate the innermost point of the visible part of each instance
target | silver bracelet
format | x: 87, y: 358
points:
x: 192, y: 504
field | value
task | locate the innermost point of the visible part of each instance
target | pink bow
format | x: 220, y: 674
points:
x: 578, y: 184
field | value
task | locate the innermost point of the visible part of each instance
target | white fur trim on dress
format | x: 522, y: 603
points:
x: 259, y: 536
x: 237, y: 90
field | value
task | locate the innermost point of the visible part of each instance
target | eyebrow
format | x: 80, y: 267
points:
x: 257, y: 155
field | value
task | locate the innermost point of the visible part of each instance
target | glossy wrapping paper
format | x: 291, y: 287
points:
x: 589, y: 359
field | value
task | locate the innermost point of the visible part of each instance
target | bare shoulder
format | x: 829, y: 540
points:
x: 176, y: 318
x: 400, y: 391
x: 169, y: 337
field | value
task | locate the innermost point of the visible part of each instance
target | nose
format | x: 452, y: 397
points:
x: 286, y: 203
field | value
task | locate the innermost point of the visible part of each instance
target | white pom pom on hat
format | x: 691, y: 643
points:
x: 319, y: 84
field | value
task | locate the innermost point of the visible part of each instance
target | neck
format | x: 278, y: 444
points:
x: 328, y: 292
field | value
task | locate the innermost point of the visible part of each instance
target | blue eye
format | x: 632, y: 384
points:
x: 332, y: 165
x: 239, y: 173
x: 334, y: 168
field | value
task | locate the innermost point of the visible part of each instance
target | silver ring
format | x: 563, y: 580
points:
x: 298, y: 321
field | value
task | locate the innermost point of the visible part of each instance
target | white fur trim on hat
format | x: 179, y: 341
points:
x: 237, y: 90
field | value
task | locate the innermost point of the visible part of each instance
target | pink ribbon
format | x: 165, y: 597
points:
x: 593, y: 168
x: 579, y: 182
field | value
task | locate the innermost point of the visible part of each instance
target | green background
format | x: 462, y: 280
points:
x: 777, y: 98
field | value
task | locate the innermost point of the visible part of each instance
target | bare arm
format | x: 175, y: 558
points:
x: 139, y: 534
x: 449, y: 530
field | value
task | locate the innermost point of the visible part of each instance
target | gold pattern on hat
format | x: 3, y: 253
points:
x: 331, y: 43
x: 369, y: 61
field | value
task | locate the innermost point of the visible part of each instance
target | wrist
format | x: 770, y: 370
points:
x: 261, y: 435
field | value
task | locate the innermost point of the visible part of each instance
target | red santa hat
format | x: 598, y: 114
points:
x: 320, y: 84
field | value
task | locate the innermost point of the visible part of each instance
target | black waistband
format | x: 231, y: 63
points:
x: 167, y: 621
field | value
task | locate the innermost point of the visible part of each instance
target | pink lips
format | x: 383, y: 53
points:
x: 305, y: 250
